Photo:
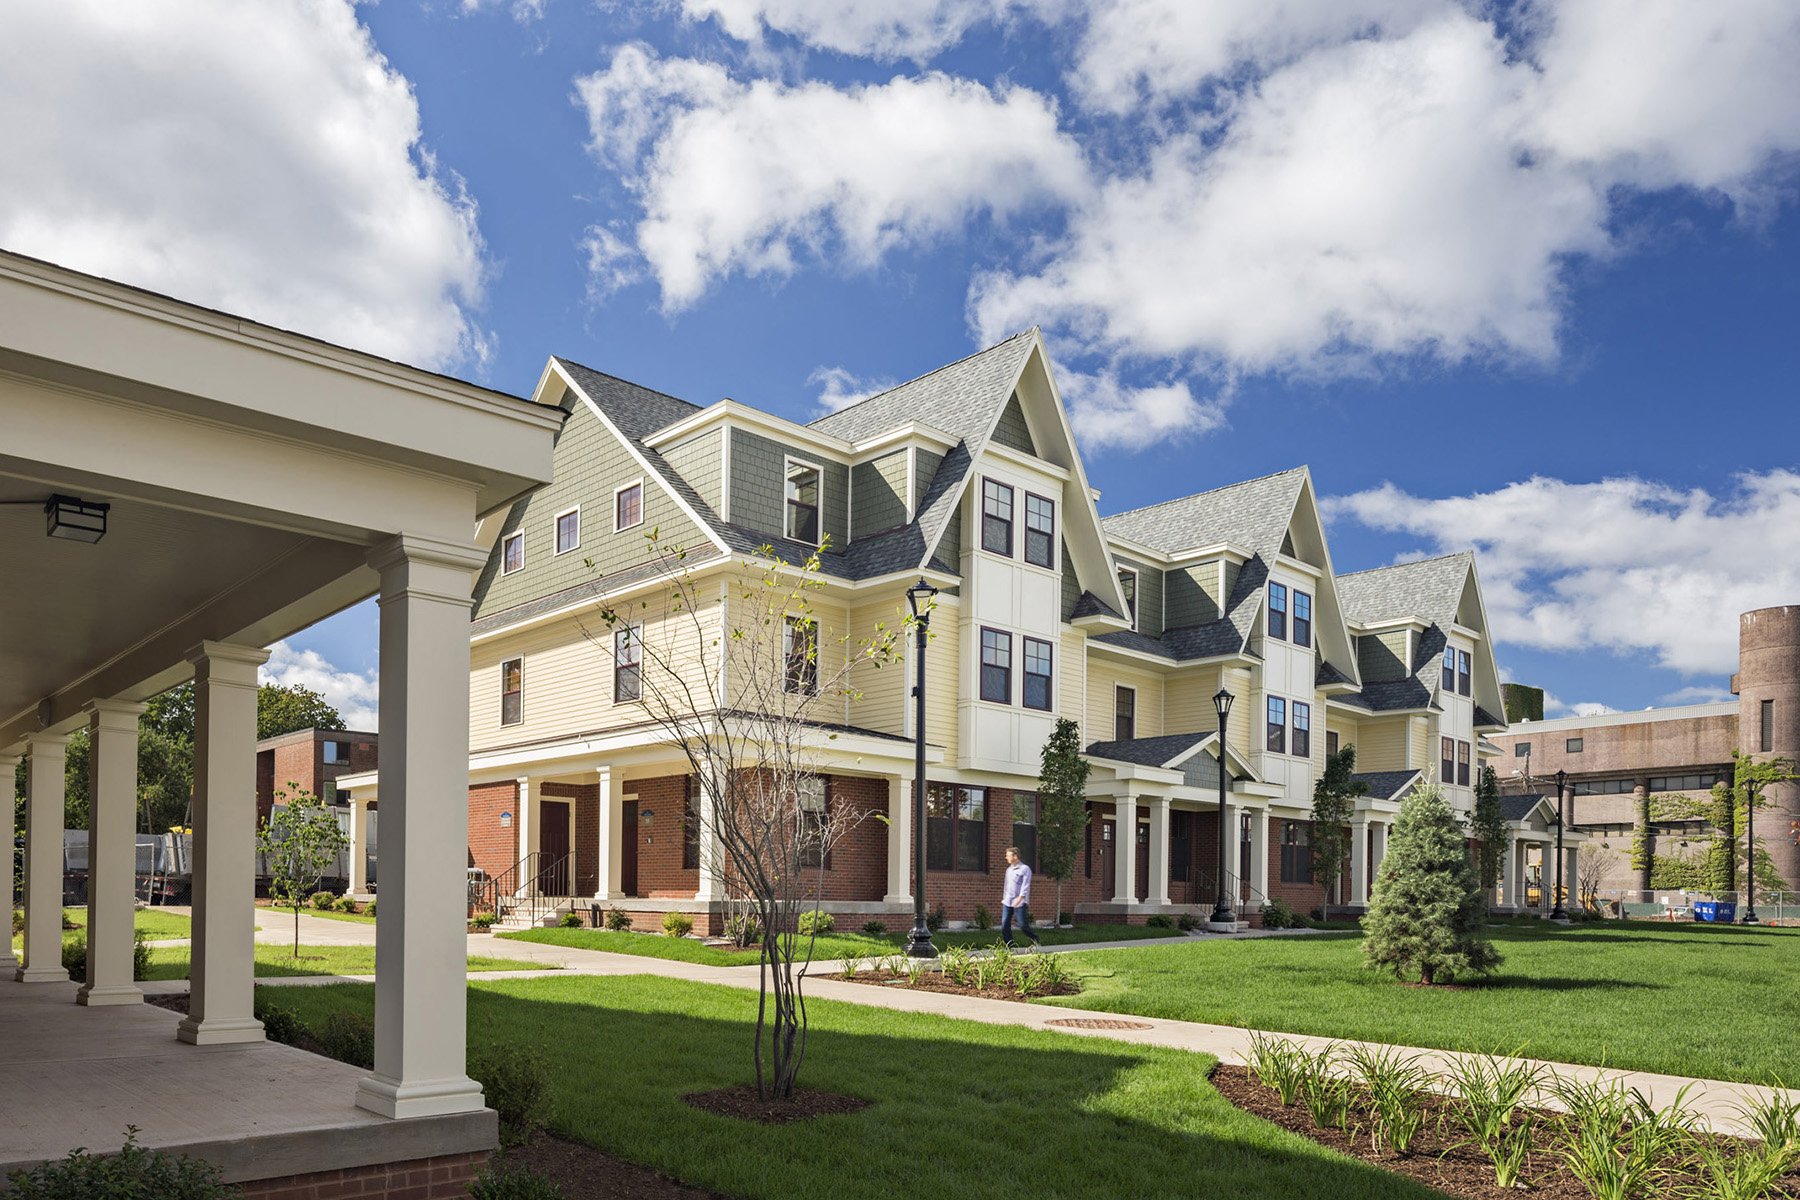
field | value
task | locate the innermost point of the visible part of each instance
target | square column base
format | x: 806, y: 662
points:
x: 41, y: 975
x: 897, y: 898
x: 219, y: 1031
x: 8, y: 960
x: 433, y: 1098
x: 101, y: 997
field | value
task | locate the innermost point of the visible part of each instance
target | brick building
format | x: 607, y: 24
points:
x: 969, y: 477
x: 1638, y: 778
x: 311, y: 759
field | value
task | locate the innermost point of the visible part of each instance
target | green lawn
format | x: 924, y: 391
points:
x: 171, y: 962
x: 1720, y: 1003
x: 329, y: 914
x: 155, y: 924
x: 961, y: 1109
x: 828, y: 949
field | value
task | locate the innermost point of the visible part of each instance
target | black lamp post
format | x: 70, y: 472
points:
x: 1749, y: 917
x: 1221, y: 913
x: 918, y: 598
x: 1556, y: 911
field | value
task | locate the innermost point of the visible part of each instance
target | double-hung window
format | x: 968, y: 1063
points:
x: 814, y: 802
x: 996, y: 666
x: 512, y: 552
x: 1462, y: 673
x: 628, y: 660
x: 996, y: 518
x: 512, y: 691
x: 1302, y: 618
x: 1278, y: 610
x: 1040, y: 531
x: 1296, y: 852
x: 1302, y: 740
x: 1024, y: 831
x: 1449, y: 669
x: 1124, y: 713
x: 801, y: 653
x: 1462, y: 763
x: 1446, y: 760
x: 1128, y: 581
x: 1038, y: 671
x: 803, y: 502
x: 628, y: 506
x: 1277, y: 725
x: 568, y: 531
x: 1331, y: 743
x: 955, y: 828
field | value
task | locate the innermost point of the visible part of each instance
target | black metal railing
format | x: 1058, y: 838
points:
x: 535, y: 887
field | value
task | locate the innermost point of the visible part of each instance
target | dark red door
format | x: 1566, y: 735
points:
x: 553, y: 847
x: 628, y: 851
x: 1109, y: 874
x: 1143, y: 860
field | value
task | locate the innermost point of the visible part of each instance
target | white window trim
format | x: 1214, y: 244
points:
x: 1137, y: 595
x: 520, y: 535
x: 637, y: 483
x: 1125, y: 687
x: 520, y: 659
x: 788, y: 463
x: 556, y: 520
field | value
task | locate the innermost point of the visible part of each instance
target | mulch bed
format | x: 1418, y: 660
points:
x: 1441, y: 1158
x: 742, y: 1102
x: 585, y: 1173
x: 931, y: 981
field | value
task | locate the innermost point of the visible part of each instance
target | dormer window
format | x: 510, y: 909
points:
x: 996, y: 518
x: 803, y: 502
x: 1302, y: 618
x: 1128, y: 581
x: 1278, y: 611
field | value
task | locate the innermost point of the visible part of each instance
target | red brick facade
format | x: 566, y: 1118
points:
x: 298, y: 760
x: 493, y: 845
x: 421, y: 1179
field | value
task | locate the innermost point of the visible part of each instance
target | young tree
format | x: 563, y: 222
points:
x: 741, y: 677
x: 1427, y: 914
x: 1592, y: 869
x: 302, y: 841
x: 1334, y: 801
x: 1062, y: 804
x: 1487, y: 825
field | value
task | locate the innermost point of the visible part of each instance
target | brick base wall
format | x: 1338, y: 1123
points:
x: 420, y: 1179
x: 492, y: 846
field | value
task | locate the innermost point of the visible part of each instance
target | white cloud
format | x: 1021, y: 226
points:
x: 1110, y: 415
x: 356, y: 697
x: 752, y: 177
x: 523, y: 11
x: 261, y: 158
x: 839, y: 388
x: 1622, y: 564
x: 1699, y: 695
x: 1554, y: 708
x: 882, y: 29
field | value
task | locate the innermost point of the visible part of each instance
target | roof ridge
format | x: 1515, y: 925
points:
x: 1224, y: 487
x: 627, y: 382
x: 927, y: 375
x: 1416, y: 562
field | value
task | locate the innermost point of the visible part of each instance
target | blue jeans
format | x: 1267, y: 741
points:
x: 1023, y: 913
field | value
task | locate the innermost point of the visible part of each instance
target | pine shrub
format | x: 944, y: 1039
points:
x: 1427, y: 915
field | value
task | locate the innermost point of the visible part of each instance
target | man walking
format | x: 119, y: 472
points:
x: 1015, y: 901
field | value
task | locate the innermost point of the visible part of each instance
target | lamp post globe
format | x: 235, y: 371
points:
x: 1557, y: 912
x: 1221, y: 913
x: 918, y: 599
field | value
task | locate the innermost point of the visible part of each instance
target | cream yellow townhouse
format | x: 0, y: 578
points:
x: 1130, y: 624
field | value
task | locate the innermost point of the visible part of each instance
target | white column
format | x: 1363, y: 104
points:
x: 610, y: 787
x: 9, y: 766
x: 1259, y: 855
x: 1125, y: 850
x: 224, y: 945
x: 112, y: 852
x: 359, y: 846
x: 1359, y: 861
x: 1159, y: 850
x: 712, y: 851
x: 1509, y: 874
x: 527, y: 806
x: 899, y: 841
x: 43, y: 860
x: 1378, y: 839
x: 421, y: 989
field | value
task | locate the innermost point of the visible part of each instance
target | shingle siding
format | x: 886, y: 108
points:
x: 590, y: 463
x: 1382, y: 656
x: 1071, y: 586
x: 759, y: 487
x: 1192, y: 595
x: 925, y: 468
x: 1012, y: 430
x: 700, y: 461
x: 1150, y: 619
x: 880, y: 501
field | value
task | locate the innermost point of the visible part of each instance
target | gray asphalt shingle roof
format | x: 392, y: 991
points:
x: 1386, y: 785
x: 1253, y: 514
x: 1090, y: 605
x: 1148, y: 751
x: 1431, y: 588
x: 1517, y: 808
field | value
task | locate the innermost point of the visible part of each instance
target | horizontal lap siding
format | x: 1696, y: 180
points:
x: 882, y: 689
x: 1103, y: 677
x: 1189, y: 707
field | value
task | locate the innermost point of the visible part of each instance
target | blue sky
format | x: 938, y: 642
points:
x: 1523, y: 277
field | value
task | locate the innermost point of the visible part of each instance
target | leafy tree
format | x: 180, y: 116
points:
x: 291, y: 708
x: 1729, y: 857
x: 1334, y: 801
x: 1428, y: 914
x: 302, y: 840
x: 1487, y: 825
x: 1062, y: 804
